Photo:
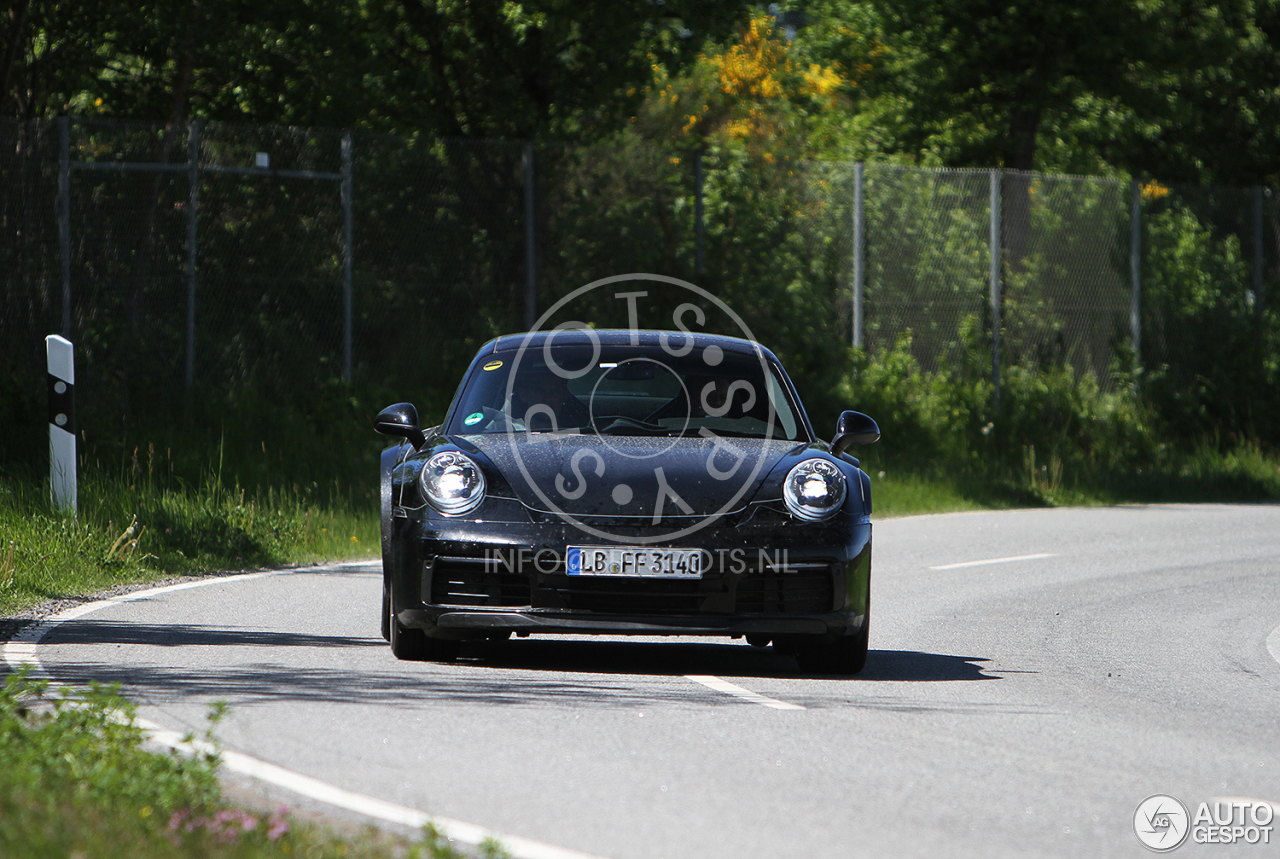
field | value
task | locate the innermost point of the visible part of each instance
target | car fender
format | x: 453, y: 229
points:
x: 391, y: 457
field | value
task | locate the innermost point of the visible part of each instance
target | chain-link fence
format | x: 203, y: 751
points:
x: 223, y: 257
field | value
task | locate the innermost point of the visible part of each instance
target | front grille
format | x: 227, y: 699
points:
x: 794, y: 589
x: 466, y: 581
x: 626, y: 595
x: 807, y: 590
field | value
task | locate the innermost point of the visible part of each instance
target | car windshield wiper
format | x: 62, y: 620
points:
x: 560, y: 431
x: 623, y: 425
x: 729, y: 433
x: 623, y: 429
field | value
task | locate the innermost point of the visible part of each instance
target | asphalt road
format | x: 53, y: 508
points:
x: 1020, y: 708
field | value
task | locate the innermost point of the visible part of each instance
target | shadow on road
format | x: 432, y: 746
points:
x: 719, y: 658
x: 247, y: 665
x: 915, y: 666
x: 91, y: 631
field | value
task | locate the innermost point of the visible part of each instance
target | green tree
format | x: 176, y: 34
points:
x: 298, y: 63
x: 51, y: 53
x: 1209, y: 110
x: 979, y: 83
x: 558, y: 69
x: 1183, y: 89
x: 546, y: 69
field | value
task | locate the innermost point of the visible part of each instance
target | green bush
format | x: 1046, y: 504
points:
x: 1055, y: 437
x: 1213, y: 368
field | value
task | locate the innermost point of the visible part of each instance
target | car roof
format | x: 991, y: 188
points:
x: 619, y: 337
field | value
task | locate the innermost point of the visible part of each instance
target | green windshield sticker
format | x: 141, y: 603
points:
x: 474, y: 418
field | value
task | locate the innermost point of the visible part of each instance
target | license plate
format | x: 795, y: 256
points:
x: 641, y: 563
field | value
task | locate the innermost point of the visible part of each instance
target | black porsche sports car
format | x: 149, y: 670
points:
x: 626, y: 482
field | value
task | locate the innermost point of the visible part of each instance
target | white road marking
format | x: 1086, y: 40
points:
x: 454, y: 830
x: 1273, y: 643
x: 993, y: 561
x: 712, y: 682
x: 22, y: 647
x: 21, y: 650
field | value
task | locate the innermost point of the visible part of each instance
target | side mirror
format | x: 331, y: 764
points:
x: 854, y: 428
x: 400, y: 420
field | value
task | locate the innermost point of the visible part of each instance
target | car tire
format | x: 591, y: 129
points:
x: 414, y: 645
x: 845, y: 655
x: 411, y: 645
x: 386, y: 610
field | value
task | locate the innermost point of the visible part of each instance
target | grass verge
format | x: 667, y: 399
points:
x: 1204, y: 475
x: 76, y: 781
x: 147, y: 525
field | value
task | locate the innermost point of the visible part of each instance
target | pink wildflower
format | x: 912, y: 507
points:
x: 277, y: 825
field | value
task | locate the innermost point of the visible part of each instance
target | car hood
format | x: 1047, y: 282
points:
x: 678, y: 478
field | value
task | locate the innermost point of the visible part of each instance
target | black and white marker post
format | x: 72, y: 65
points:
x: 62, y: 422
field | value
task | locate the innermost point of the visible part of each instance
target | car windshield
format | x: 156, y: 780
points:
x: 633, y: 390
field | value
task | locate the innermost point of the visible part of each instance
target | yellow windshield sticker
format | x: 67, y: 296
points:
x: 493, y: 365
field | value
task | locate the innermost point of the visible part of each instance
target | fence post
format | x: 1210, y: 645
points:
x: 193, y: 202
x: 1257, y: 250
x: 348, y: 252
x: 1135, y: 276
x: 996, y: 176
x: 859, y: 255
x: 62, y: 422
x: 64, y: 217
x: 699, y: 256
x: 530, y: 275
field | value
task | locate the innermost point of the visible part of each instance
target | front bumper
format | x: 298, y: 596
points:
x: 477, y: 582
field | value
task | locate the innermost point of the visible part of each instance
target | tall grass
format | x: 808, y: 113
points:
x: 142, y: 522
x: 280, y: 474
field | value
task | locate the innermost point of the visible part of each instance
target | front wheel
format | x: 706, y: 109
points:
x: 844, y: 655
x: 386, y: 609
x: 414, y: 645
x: 407, y: 644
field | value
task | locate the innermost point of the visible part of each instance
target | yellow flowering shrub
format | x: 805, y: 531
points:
x: 759, y: 91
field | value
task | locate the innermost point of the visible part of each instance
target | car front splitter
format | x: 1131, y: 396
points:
x: 462, y: 622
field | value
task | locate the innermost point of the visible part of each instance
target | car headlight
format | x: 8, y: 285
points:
x: 814, y: 490
x: 453, y: 483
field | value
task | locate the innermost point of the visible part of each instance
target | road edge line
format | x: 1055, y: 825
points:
x: 20, y: 650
